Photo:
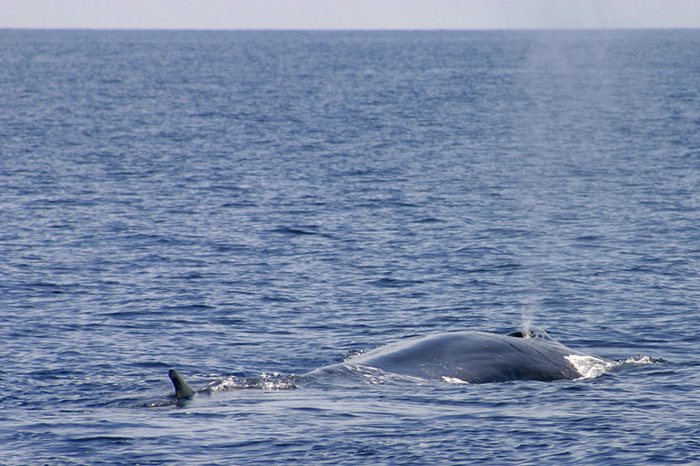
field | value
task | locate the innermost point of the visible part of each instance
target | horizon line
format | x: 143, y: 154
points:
x: 330, y: 29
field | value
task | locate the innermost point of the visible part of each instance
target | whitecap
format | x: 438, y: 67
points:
x: 641, y: 360
x: 265, y: 382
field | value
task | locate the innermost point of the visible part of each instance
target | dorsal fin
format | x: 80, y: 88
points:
x: 182, y: 390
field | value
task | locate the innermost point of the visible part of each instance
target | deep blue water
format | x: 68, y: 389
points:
x: 247, y: 203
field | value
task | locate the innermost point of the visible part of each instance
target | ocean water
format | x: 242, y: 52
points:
x: 251, y: 205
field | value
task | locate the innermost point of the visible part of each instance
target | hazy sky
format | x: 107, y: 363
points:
x: 349, y: 14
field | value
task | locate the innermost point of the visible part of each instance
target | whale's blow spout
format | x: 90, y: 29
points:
x: 182, y: 390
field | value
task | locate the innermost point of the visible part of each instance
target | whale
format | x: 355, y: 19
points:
x: 469, y: 357
x: 475, y: 357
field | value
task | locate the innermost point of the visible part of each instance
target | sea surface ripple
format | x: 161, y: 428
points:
x: 246, y: 204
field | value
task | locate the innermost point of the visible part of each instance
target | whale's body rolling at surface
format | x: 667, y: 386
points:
x: 473, y: 357
x: 466, y: 357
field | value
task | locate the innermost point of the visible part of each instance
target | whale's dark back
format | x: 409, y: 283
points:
x: 473, y: 357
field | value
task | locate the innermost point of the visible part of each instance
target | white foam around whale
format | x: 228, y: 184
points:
x: 589, y: 366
